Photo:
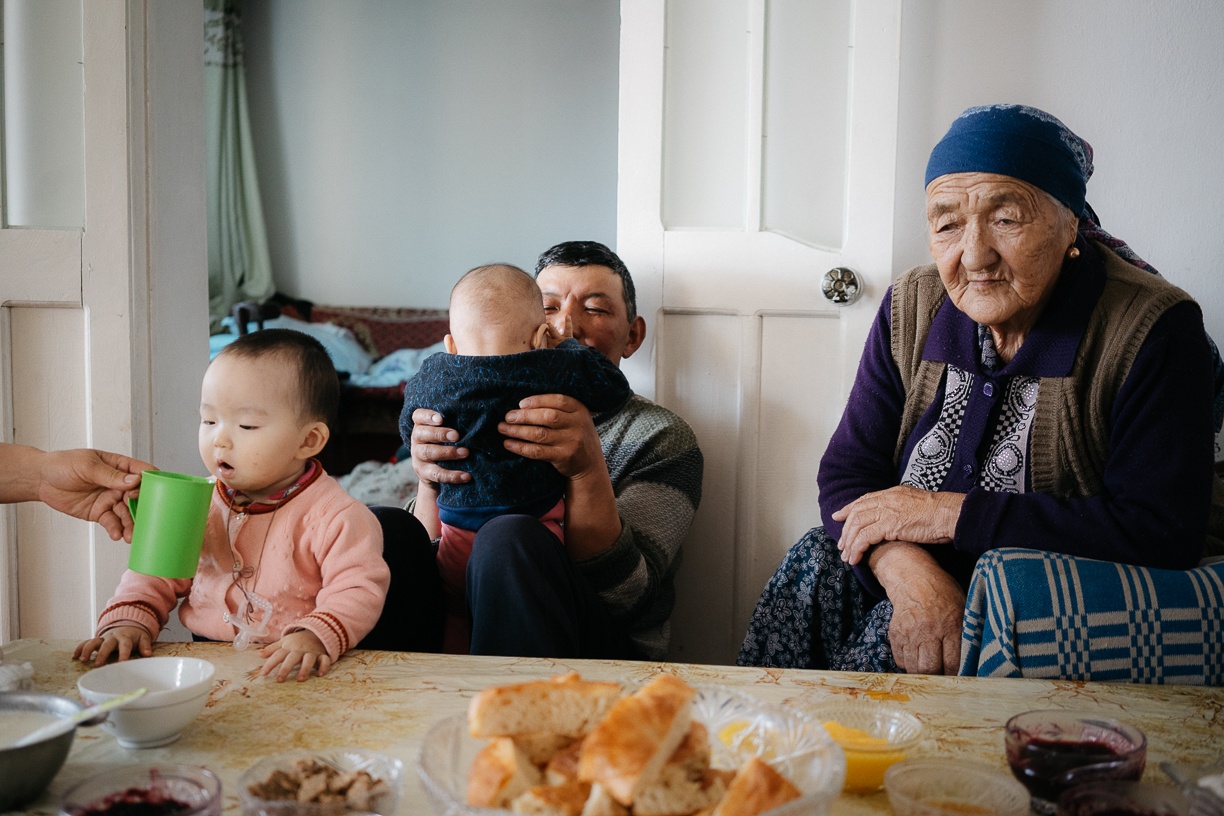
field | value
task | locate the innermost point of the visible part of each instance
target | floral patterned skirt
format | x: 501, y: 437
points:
x: 814, y: 614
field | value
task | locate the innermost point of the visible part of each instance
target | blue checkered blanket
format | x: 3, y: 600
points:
x: 1039, y: 614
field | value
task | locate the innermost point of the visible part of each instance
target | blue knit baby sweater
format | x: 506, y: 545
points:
x: 474, y: 394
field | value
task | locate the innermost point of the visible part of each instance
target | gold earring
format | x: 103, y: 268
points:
x: 1073, y: 252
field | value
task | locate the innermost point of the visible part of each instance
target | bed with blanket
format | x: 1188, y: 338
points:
x: 376, y: 350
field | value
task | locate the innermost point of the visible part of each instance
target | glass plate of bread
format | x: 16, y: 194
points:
x: 572, y: 747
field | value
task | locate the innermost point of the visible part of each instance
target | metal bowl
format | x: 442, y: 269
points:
x: 25, y: 772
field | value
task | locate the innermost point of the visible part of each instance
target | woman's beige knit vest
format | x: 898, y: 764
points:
x: 1069, y: 441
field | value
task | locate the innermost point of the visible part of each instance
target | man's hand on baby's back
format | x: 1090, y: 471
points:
x: 122, y: 641
x: 302, y: 650
x: 556, y: 429
x: 428, y: 448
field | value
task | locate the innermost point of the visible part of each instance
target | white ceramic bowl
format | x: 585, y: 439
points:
x: 177, y: 690
x: 740, y: 728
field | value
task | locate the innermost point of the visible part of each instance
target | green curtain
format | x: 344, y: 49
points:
x: 239, y: 267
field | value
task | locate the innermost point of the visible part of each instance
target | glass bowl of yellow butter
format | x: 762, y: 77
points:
x: 873, y: 736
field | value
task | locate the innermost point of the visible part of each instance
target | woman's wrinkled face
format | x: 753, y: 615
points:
x: 999, y: 244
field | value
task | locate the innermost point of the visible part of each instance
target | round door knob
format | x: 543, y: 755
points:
x: 841, y: 286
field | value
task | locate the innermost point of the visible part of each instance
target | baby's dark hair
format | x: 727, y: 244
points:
x: 318, y: 383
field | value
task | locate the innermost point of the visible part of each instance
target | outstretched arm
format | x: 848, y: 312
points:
x: 85, y: 483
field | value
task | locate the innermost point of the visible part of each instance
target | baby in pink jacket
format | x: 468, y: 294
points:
x: 290, y: 561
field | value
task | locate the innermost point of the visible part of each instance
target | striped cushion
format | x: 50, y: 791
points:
x: 1039, y: 614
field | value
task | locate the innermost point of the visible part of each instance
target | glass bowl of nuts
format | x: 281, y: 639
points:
x: 326, y: 783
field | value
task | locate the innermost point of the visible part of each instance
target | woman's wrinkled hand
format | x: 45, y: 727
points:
x: 429, y: 447
x: 928, y: 609
x: 900, y: 513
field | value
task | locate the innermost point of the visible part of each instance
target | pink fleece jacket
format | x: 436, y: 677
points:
x: 318, y: 559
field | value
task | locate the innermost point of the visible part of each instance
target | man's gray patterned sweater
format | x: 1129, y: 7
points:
x: 656, y: 470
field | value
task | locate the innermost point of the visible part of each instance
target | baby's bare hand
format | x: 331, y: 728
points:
x: 550, y: 336
x: 121, y: 641
x: 301, y: 649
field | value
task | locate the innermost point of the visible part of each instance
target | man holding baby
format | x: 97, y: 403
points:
x: 633, y: 485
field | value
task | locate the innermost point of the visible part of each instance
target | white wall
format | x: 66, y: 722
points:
x: 1141, y: 80
x: 400, y: 144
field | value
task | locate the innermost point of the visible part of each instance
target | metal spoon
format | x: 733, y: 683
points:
x: 68, y: 723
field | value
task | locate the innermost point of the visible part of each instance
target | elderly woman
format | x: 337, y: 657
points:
x: 1036, y: 387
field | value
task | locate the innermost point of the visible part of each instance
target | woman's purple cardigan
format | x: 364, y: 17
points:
x: 1154, y: 509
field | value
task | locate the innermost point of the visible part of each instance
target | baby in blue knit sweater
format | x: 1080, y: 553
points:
x: 500, y: 350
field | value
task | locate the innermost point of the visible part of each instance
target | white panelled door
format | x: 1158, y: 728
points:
x: 757, y: 153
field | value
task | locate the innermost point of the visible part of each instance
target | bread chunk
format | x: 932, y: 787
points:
x: 566, y: 799
x: 601, y: 803
x: 757, y: 787
x: 686, y: 783
x: 567, y: 706
x: 499, y: 773
x: 563, y: 767
x: 629, y: 747
x: 693, y: 753
x: 678, y: 792
x: 541, y: 748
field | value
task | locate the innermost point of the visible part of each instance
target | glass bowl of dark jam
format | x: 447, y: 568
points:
x: 146, y: 790
x: 1128, y: 798
x: 1053, y: 751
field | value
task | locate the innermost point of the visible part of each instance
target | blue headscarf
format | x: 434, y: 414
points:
x: 1033, y: 146
x: 1017, y: 141
x: 1029, y: 144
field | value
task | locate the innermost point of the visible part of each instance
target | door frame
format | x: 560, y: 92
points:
x: 137, y: 271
